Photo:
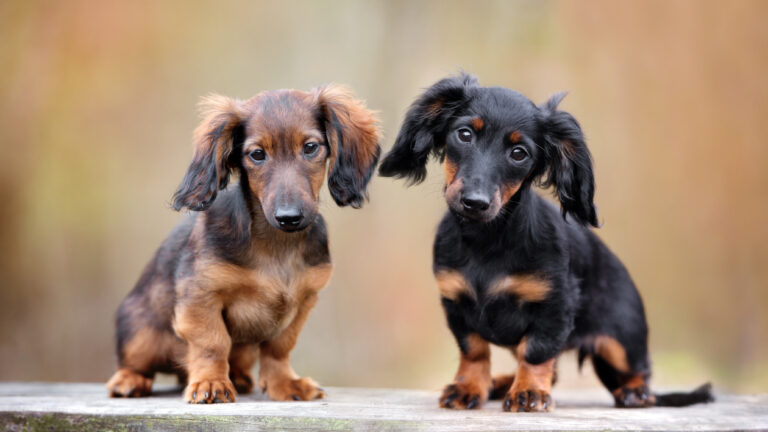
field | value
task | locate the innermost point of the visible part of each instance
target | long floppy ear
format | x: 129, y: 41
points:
x: 568, y: 162
x: 353, y: 134
x: 424, y: 127
x: 215, y: 139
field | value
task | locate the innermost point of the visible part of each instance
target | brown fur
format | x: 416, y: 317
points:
x: 473, y: 379
x: 450, y: 169
x: 612, y: 352
x: 527, y: 288
x: 358, y: 123
x: 532, y: 385
x: 232, y: 284
x: 477, y: 124
x: 508, y: 191
x: 515, y: 137
x: 452, y: 285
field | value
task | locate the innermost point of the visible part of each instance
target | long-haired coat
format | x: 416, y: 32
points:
x: 235, y: 280
x: 512, y: 269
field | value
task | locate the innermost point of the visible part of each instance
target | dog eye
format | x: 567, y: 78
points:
x: 465, y: 135
x: 258, y: 155
x: 518, y: 154
x: 310, y: 148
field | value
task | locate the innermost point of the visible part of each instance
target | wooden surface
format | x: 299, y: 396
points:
x: 38, y: 406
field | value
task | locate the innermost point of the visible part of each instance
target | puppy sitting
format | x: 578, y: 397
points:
x: 235, y: 281
x: 512, y: 269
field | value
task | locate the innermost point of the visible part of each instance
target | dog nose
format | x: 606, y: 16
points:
x: 289, y: 217
x: 475, y: 202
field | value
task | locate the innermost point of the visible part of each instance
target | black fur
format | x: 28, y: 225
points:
x: 591, y: 293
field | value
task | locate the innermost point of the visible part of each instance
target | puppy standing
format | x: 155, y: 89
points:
x: 510, y: 269
x: 235, y: 281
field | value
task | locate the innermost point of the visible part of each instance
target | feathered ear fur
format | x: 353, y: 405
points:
x: 568, y: 162
x: 353, y: 136
x: 424, y: 127
x: 215, y: 139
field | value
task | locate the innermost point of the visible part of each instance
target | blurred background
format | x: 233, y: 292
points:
x: 97, y: 106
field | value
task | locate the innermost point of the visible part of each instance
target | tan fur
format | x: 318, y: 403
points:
x: 477, y: 124
x: 515, y: 137
x: 527, y: 288
x: 533, y: 380
x: 241, y: 361
x: 450, y: 169
x: 360, y: 126
x: 508, y: 190
x: 610, y: 350
x: 452, y: 285
x: 473, y: 377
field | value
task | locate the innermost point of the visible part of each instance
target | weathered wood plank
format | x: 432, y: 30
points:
x: 38, y: 406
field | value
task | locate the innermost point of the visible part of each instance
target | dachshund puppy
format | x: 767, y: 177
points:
x: 512, y: 269
x: 235, y: 280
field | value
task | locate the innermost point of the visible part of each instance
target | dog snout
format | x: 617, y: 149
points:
x: 289, y: 217
x: 475, y: 201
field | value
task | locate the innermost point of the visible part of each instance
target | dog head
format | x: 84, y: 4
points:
x: 282, y: 142
x: 493, y: 142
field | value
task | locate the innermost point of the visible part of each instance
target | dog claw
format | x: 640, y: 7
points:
x: 473, y: 403
x: 296, y: 397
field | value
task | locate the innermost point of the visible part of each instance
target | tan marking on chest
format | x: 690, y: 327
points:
x: 527, y: 288
x: 453, y: 285
x: 260, y: 303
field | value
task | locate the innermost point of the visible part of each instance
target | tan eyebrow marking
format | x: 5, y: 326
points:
x: 477, y: 124
x: 515, y: 136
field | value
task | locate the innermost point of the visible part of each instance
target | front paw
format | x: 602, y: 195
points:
x: 127, y: 383
x: 528, y: 401
x: 287, y: 389
x: 210, y: 391
x: 463, y: 395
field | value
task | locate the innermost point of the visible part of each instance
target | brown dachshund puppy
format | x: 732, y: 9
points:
x: 235, y: 280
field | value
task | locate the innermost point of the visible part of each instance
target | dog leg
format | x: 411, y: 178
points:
x: 471, y: 386
x: 199, y: 321
x: 241, y: 361
x: 276, y: 376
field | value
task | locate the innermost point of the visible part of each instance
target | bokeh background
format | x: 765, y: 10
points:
x: 97, y: 105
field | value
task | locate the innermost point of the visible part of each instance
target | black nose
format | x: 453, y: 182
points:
x: 475, y: 202
x: 289, y: 217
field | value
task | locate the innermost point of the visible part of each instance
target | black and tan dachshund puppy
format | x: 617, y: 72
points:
x: 512, y: 269
x: 235, y: 280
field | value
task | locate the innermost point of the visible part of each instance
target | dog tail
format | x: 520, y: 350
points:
x: 702, y: 394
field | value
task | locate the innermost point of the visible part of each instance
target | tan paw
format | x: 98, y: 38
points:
x: 299, y: 389
x: 528, y: 401
x: 127, y: 383
x: 210, y: 391
x: 464, y: 395
x: 242, y: 380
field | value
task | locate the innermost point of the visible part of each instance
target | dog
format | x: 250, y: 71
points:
x: 235, y: 280
x: 512, y: 269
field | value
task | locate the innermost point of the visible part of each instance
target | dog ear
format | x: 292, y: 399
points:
x: 215, y: 139
x: 568, y: 165
x: 423, y: 128
x: 352, y: 133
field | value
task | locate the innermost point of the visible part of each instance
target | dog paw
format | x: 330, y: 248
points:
x: 127, y: 383
x: 463, y: 395
x: 243, y: 381
x: 210, y: 391
x: 298, y: 389
x: 528, y: 401
x: 634, y: 397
